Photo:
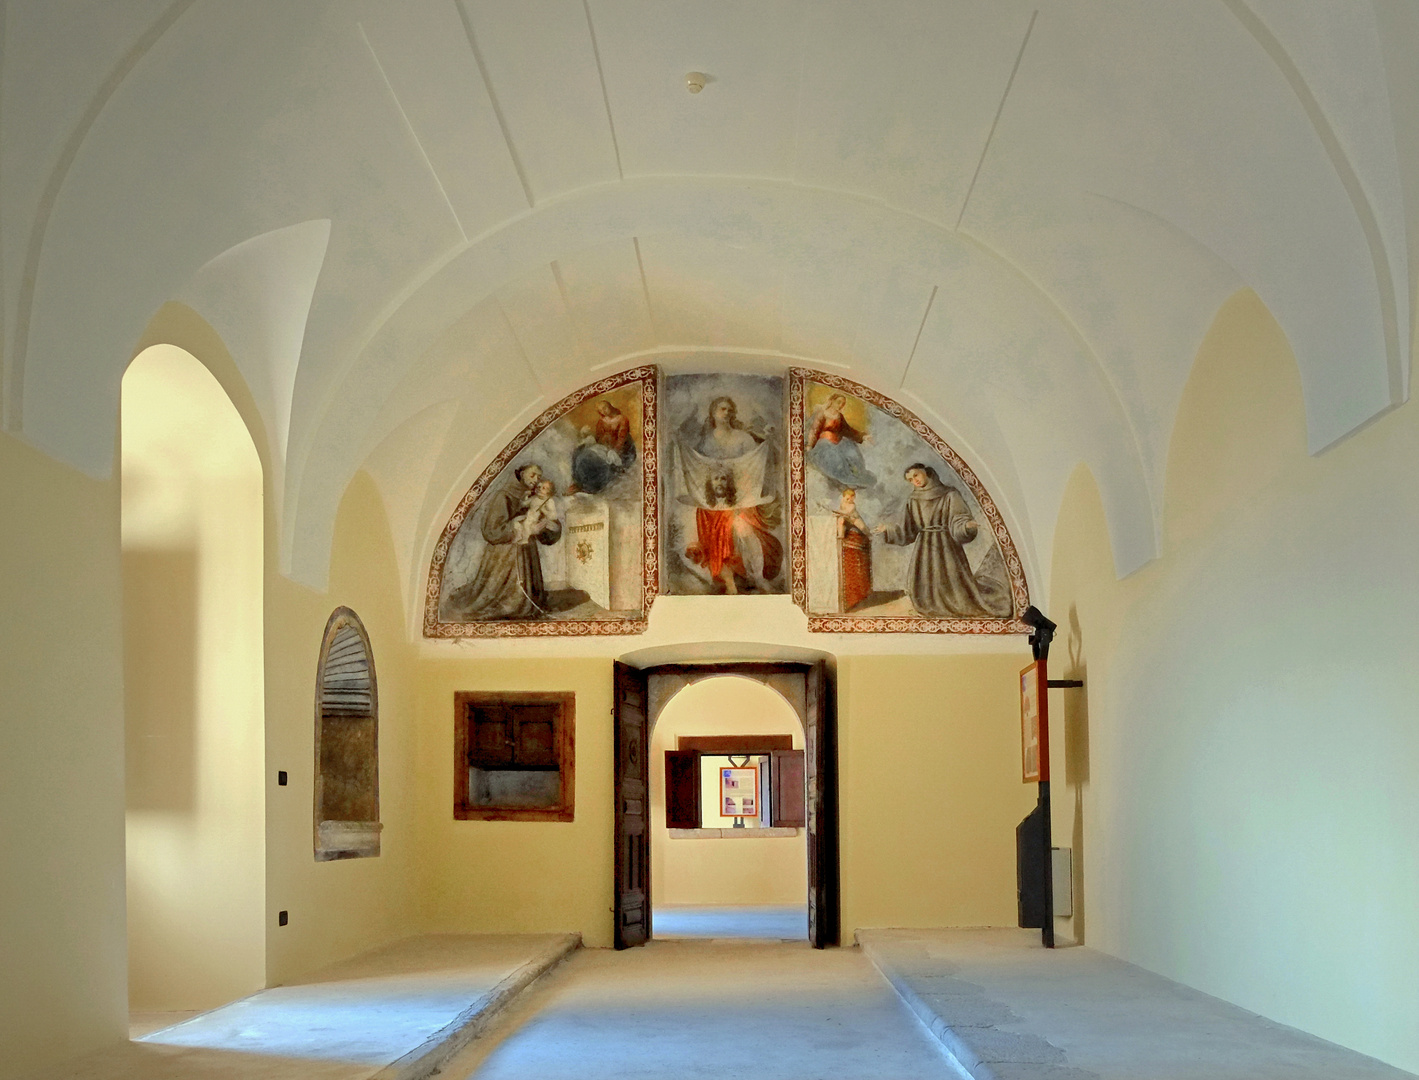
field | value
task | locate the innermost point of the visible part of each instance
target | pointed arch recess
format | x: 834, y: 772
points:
x: 799, y: 380
x: 644, y: 381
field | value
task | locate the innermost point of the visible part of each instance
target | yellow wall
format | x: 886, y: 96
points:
x: 1240, y: 765
x: 517, y: 876
x: 928, y: 831
x: 346, y: 906
x: 192, y: 585
x: 931, y: 792
x: 768, y: 870
x: 61, y: 745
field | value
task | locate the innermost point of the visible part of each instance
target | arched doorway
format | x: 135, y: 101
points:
x: 640, y: 696
x: 735, y: 866
x: 192, y: 558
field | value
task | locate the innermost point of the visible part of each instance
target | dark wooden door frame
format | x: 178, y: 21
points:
x: 817, y: 711
x: 632, y: 814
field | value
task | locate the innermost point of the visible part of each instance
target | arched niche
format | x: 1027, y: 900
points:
x: 192, y: 552
x: 347, y: 824
x: 708, y: 862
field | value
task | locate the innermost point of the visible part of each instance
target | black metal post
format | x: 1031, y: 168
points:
x: 1047, y: 930
x: 1040, y: 639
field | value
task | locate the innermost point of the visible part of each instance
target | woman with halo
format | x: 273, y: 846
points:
x: 833, y: 446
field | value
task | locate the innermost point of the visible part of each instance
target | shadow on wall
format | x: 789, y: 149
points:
x: 192, y: 563
x: 160, y: 678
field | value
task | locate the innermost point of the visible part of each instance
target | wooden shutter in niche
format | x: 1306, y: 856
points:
x: 514, y: 756
x: 346, y: 742
x: 789, y: 806
x: 682, y: 789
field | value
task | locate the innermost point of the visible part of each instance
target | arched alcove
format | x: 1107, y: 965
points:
x: 347, y: 822
x: 192, y: 559
x: 718, y: 865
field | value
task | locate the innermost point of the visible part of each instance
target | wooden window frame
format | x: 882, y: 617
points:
x: 337, y: 838
x: 564, y: 742
x: 778, y: 748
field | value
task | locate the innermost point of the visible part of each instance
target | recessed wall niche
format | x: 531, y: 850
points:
x: 514, y: 756
x: 347, y: 822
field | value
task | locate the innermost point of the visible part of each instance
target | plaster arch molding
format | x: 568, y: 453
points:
x: 791, y: 686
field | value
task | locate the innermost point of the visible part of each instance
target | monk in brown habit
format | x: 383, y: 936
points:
x: 937, y: 520
x: 508, y: 583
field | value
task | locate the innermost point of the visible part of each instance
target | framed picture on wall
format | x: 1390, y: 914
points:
x: 1034, y: 723
x: 739, y: 791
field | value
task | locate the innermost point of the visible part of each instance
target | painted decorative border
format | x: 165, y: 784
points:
x: 648, y: 377
x: 798, y: 540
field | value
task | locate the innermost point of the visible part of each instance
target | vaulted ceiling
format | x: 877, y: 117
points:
x: 416, y: 223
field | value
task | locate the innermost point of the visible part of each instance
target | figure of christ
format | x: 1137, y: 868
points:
x: 733, y: 541
x: 937, y: 523
x: 508, y: 582
x: 855, y: 553
x: 833, y: 446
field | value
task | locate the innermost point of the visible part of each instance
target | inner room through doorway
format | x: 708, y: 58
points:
x: 724, y: 879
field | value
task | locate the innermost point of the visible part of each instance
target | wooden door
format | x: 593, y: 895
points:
x: 820, y: 732
x: 632, y: 907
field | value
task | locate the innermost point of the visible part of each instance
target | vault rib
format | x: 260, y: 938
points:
x: 13, y: 398
x: 493, y: 100
x: 1354, y: 191
x: 581, y: 338
x: 521, y: 351
x: 645, y: 289
x: 605, y: 96
x: 990, y: 135
x: 930, y: 301
x: 409, y: 127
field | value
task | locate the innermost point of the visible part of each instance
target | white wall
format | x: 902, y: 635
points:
x: 1239, y: 769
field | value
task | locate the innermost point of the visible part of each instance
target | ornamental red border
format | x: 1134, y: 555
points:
x: 798, y: 540
x: 649, y: 379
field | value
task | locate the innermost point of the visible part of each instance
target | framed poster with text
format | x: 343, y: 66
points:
x: 1034, y: 723
x: 739, y: 792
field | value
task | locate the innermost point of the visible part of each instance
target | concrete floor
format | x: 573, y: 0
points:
x: 953, y: 1005
x: 1008, y: 1008
x: 145, y: 1023
x: 781, y: 923
x: 688, y: 1009
x: 395, y: 1012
